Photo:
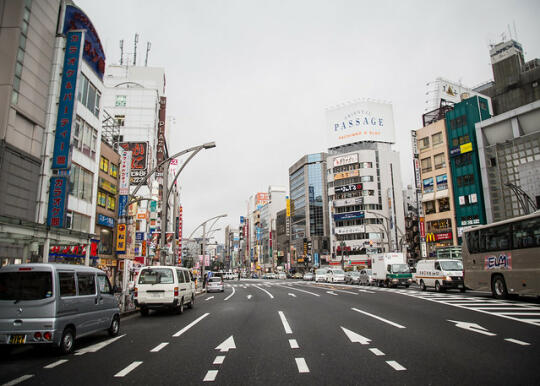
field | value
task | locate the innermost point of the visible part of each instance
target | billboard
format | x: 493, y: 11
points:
x: 125, y: 169
x: 262, y: 198
x: 345, y: 160
x: 139, y: 160
x: 58, y: 191
x: 360, y: 121
x: 348, y: 188
x: 161, y: 130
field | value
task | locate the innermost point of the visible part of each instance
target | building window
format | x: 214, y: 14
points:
x: 120, y: 120
x: 461, y: 140
x: 426, y: 164
x: 104, y: 164
x: 120, y: 101
x: 20, y: 53
x: 89, y: 95
x: 102, y: 199
x: 84, y: 138
x: 105, y: 241
x: 444, y: 204
x: 440, y: 161
x: 423, y: 143
x: 430, y: 207
x: 113, y: 170
x: 437, y: 138
x: 366, y: 165
x: 78, y: 222
x: 463, y: 159
x: 111, y: 202
x: 428, y: 185
x: 467, y: 179
x: 80, y: 183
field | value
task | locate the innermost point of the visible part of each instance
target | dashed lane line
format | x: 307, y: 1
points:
x: 262, y: 289
x: 98, y: 346
x: 209, y: 298
x: 54, y: 364
x: 376, y: 351
x: 379, y: 318
x: 293, y: 343
x: 231, y: 295
x: 159, y: 347
x: 286, y: 326
x: 128, y: 369
x: 396, y: 366
x: 18, y: 380
x: 210, y: 376
x: 219, y: 360
x: 302, y: 365
x: 520, y: 342
x: 249, y: 296
x: 191, y: 325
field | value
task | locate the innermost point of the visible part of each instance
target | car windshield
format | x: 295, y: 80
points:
x: 355, y: 273
x: 400, y: 268
x: 25, y: 285
x: 338, y: 272
x: 454, y: 265
x: 156, y: 276
x: 321, y: 272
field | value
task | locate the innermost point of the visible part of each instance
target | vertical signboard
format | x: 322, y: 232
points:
x: 123, y: 186
x: 161, y: 130
x: 180, y: 223
x: 121, y: 238
x: 288, y: 218
x: 58, y: 191
x: 139, y: 160
x: 66, y: 104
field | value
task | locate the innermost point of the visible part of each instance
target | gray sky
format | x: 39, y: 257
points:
x: 256, y: 76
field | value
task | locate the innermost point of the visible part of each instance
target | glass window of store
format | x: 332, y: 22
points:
x: 80, y: 183
x: 105, y: 241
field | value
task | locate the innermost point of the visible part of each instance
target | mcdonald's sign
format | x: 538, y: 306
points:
x: 430, y: 237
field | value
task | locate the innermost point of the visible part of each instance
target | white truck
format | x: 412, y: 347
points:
x: 390, y: 270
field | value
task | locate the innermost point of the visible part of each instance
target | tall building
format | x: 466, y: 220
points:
x: 364, y: 183
x: 309, y: 225
x: 464, y: 162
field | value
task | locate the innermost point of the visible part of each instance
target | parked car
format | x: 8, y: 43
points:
x: 282, y: 276
x: 320, y: 275
x: 366, y: 277
x: 215, y: 284
x: 55, y: 304
x: 352, y: 277
x: 335, y: 276
x: 308, y: 276
x: 164, y: 287
x: 254, y: 276
x: 297, y: 275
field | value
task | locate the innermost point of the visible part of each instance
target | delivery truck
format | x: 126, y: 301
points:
x: 390, y: 270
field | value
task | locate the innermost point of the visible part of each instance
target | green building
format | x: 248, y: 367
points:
x: 464, y: 163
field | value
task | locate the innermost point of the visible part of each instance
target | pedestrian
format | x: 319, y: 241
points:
x: 205, y: 280
x: 238, y: 275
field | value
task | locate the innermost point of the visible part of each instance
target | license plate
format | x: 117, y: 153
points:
x: 155, y: 295
x: 17, y: 339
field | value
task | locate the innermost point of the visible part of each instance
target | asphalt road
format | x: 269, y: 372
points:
x: 261, y: 332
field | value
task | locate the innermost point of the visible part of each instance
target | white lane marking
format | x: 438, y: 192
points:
x: 210, y: 376
x: 396, y: 366
x: 297, y: 289
x: 354, y: 337
x: 347, y: 292
x: 517, y: 313
x: 226, y: 345
x: 332, y: 293
x: 54, y: 364
x: 285, y: 323
x: 293, y: 295
x: 472, y: 327
x: 520, y: 342
x: 98, y: 346
x: 262, y: 289
x: 249, y: 296
x: 228, y: 297
x: 159, y: 347
x: 366, y: 291
x: 376, y: 351
x: 128, y: 369
x: 191, y: 325
x: 293, y: 343
x: 211, y: 297
x: 302, y: 365
x: 18, y: 380
x: 379, y: 318
x: 219, y: 360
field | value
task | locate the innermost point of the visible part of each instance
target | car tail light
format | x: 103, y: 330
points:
x: 37, y: 335
x: 135, y: 293
x: 175, y: 291
x: 47, y: 335
x: 25, y: 269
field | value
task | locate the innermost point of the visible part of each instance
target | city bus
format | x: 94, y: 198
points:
x: 504, y: 257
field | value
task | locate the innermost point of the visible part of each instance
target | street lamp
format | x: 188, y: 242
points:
x: 166, y: 190
x: 387, y: 228
x: 215, y: 218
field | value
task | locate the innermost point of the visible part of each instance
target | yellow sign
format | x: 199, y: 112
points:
x: 465, y: 148
x: 339, y: 176
x: 430, y: 238
x: 288, y: 207
x: 121, y: 238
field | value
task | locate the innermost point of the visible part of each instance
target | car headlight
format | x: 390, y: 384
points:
x: 448, y: 278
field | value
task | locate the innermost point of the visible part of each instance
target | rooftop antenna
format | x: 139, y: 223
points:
x: 148, y: 46
x: 135, y: 47
x: 515, y: 31
x: 509, y: 31
x: 121, y: 52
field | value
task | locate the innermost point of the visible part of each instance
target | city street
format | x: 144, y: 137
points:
x: 296, y: 332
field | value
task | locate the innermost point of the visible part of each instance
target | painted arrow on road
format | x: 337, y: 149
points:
x: 211, y: 297
x: 472, y: 327
x: 354, y: 337
x: 332, y: 293
x: 293, y: 295
x: 249, y: 297
x: 226, y: 345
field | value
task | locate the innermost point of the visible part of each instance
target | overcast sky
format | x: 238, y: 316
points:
x: 256, y: 76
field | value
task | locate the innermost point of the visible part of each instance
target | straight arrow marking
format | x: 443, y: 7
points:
x: 472, y: 327
x: 332, y: 293
x: 227, y: 345
x: 354, y: 337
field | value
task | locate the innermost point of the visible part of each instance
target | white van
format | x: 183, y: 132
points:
x: 320, y: 275
x: 164, y: 287
x: 440, y: 274
x: 335, y: 275
x: 54, y: 304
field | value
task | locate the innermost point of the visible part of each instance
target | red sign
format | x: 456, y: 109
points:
x: 443, y: 236
x: 161, y: 130
x: 139, y: 160
x: 422, y: 227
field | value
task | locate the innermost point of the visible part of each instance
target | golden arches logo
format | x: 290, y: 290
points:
x: 430, y: 238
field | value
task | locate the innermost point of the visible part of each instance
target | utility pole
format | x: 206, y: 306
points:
x: 164, y: 207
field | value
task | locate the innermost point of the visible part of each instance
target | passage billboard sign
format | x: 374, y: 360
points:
x: 360, y: 121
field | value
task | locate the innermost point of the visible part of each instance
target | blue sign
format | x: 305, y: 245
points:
x: 139, y: 236
x: 105, y: 220
x: 316, y: 259
x: 66, y: 104
x: 122, y: 205
x: 348, y: 216
x: 241, y: 219
x: 58, y: 190
x: 93, y: 50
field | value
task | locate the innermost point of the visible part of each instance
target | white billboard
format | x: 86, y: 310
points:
x: 360, y: 121
x: 345, y: 160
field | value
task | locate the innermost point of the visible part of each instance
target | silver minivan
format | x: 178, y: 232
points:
x: 54, y: 304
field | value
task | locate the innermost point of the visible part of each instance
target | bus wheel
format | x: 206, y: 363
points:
x: 498, y: 287
x: 422, y: 285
